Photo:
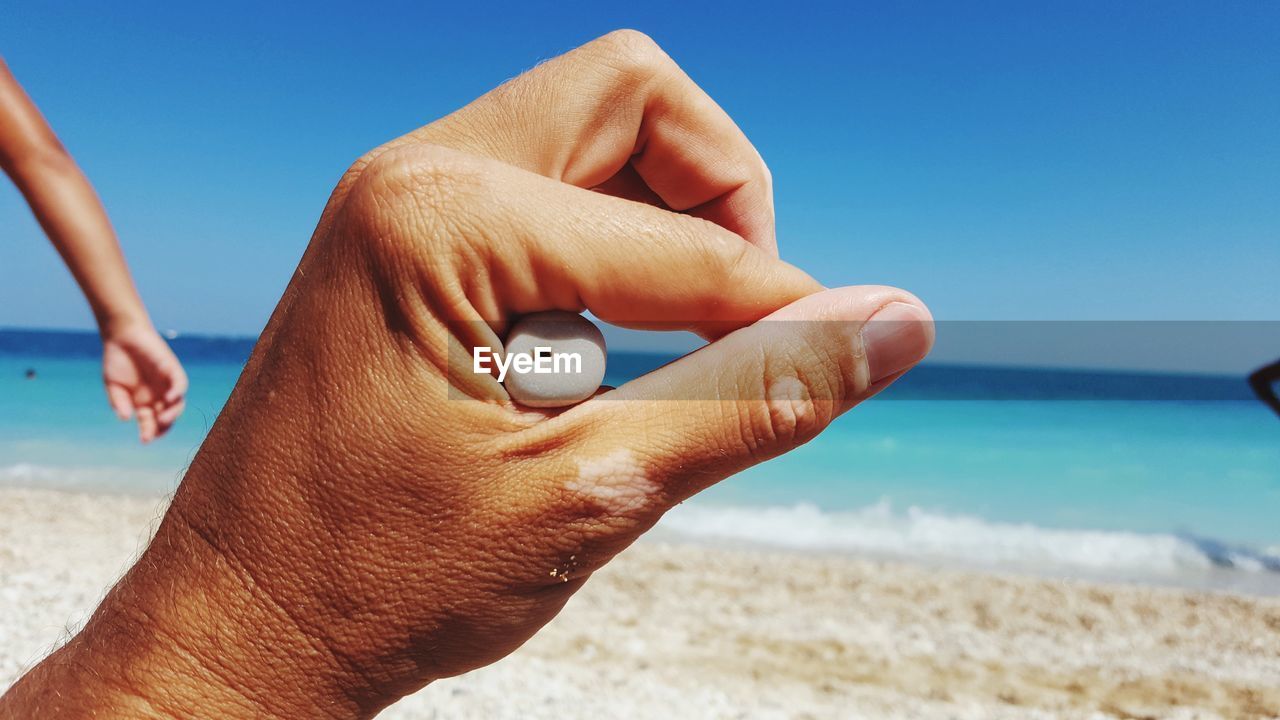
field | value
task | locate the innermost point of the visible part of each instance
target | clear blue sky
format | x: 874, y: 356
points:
x: 1002, y: 160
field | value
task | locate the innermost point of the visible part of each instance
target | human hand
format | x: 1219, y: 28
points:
x: 367, y: 515
x: 143, y: 378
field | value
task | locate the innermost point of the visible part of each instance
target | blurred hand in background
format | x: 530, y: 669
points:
x: 143, y: 378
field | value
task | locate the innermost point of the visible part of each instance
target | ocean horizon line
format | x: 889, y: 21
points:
x: 244, y: 344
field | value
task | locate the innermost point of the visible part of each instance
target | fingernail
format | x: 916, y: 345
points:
x: 898, y: 336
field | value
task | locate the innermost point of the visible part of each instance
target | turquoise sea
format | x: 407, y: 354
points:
x: 1151, y: 478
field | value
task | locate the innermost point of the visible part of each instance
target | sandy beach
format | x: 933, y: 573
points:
x: 684, y: 631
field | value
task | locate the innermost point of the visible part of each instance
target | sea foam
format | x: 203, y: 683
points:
x: 917, y: 534
x: 88, y: 479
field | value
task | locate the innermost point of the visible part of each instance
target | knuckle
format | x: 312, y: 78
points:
x: 797, y: 401
x: 765, y: 174
x: 353, y: 172
x: 736, y: 256
x: 726, y: 258
x: 414, y: 196
x: 633, y: 52
x: 631, y: 42
x: 423, y: 176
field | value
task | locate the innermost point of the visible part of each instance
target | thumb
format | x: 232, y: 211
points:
x: 766, y: 388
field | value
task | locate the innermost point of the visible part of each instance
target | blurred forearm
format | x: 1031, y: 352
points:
x: 77, y: 225
x: 67, y: 208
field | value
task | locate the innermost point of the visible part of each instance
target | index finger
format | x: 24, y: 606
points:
x: 581, y: 118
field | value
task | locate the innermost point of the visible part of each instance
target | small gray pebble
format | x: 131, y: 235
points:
x: 571, y: 344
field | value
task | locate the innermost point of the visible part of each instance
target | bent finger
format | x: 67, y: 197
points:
x: 176, y: 380
x: 581, y: 118
x: 166, y: 416
x: 147, y: 425
x: 169, y: 414
x: 545, y: 245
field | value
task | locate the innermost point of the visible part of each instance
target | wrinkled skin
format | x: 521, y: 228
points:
x: 364, y: 518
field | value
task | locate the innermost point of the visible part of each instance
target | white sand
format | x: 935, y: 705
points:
x: 679, y: 631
